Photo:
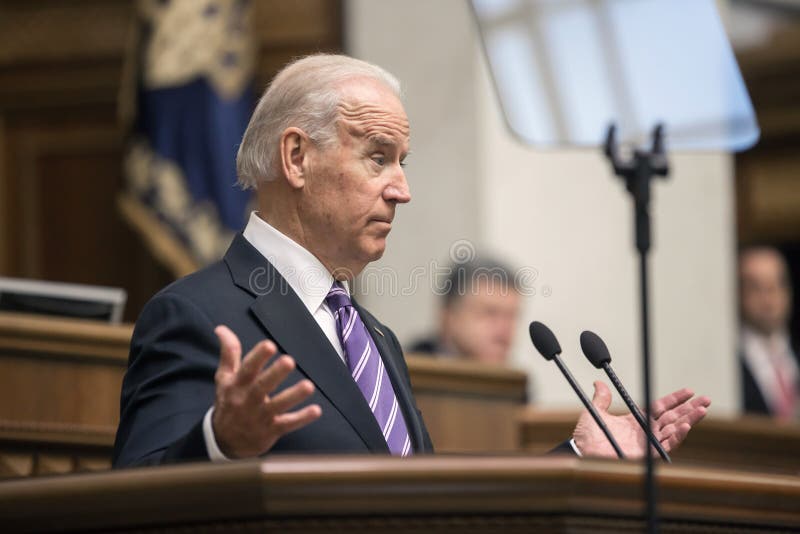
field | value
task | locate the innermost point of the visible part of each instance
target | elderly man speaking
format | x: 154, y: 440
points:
x: 210, y: 374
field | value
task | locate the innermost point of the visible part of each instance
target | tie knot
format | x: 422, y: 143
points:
x: 337, y: 297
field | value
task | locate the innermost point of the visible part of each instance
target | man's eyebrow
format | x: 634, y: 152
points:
x: 385, y: 140
x: 380, y: 139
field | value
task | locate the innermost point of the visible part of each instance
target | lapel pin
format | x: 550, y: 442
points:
x: 378, y: 331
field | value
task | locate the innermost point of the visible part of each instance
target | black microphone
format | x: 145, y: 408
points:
x: 546, y: 343
x: 596, y: 352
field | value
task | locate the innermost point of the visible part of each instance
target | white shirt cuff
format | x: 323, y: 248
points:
x: 571, y: 444
x: 212, y: 448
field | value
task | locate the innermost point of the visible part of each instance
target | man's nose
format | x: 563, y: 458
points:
x: 398, y: 190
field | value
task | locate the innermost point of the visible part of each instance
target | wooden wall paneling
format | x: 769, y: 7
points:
x: 64, y: 175
x: 772, y: 75
x: 285, y: 31
x: 768, y: 205
x: 283, y: 24
x: 11, y: 214
x: 60, y: 170
x: 4, y: 223
x: 28, y: 222
x: 62, y: 179
x: 40, y: 30
x: 768, y: 190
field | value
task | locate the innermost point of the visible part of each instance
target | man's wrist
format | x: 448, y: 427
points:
x: 215, y: 454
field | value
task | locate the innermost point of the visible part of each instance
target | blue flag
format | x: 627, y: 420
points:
x: 193, y: 98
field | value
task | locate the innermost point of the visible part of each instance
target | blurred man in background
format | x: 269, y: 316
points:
x: 770, y: 377
x: 478, y: 315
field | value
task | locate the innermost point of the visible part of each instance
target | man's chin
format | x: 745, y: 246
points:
x: 375, y: 249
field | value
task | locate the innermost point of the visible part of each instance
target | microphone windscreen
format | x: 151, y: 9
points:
x: 595, y: 349
x: 544, y: 340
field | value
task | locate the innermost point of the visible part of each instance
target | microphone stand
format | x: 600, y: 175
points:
x: 638, y: 172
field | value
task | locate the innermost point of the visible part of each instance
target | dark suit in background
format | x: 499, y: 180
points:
x: 169, y: 385
x: 753, y: 399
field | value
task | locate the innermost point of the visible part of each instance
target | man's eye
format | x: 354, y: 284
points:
x: 379, y: 159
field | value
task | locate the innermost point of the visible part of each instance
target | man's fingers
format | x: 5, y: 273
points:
x: 230, y: 353
x: 271, y: 377
x: 290, y: 397
x: 676, y: 436
x: 689, y: 409
x: 291, y: 421
x: 682, y: 426
x: 602, y: 396
x: 670, y: 401
x: 694, y: 415
x: 255, y: 361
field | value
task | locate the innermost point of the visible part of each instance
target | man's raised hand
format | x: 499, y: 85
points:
x: 248, y: 419
x: 672, y: 417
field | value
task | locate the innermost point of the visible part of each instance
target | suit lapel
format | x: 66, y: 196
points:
x: 291, y: 326
x: 390, y: 357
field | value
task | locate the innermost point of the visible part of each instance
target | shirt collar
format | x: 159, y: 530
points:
x: 751, y: 337
x: 304, y: 273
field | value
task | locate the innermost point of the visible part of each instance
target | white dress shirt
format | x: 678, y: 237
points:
x: 765, y: 364
x: 307, y: 277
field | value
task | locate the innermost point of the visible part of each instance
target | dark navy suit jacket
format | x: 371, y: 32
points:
x: 174, y: 354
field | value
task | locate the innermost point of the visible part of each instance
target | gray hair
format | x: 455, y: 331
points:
x: 303, y: 94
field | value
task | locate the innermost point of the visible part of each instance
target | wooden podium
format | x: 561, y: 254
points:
x: 423, y: 494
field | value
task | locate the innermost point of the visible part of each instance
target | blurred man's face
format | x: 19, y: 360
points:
x: 765, y: 295
x: 480, y: 324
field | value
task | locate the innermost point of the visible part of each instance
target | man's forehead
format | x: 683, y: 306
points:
x: 375, y: 123
x: 762, y: 260
x: 372, y: 110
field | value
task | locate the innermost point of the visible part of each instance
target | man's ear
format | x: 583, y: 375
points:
x: 294, y: 148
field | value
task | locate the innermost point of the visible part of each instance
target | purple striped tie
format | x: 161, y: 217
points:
x: 367, y: 369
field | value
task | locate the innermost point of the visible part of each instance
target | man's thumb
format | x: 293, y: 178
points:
x: 602, y: 396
